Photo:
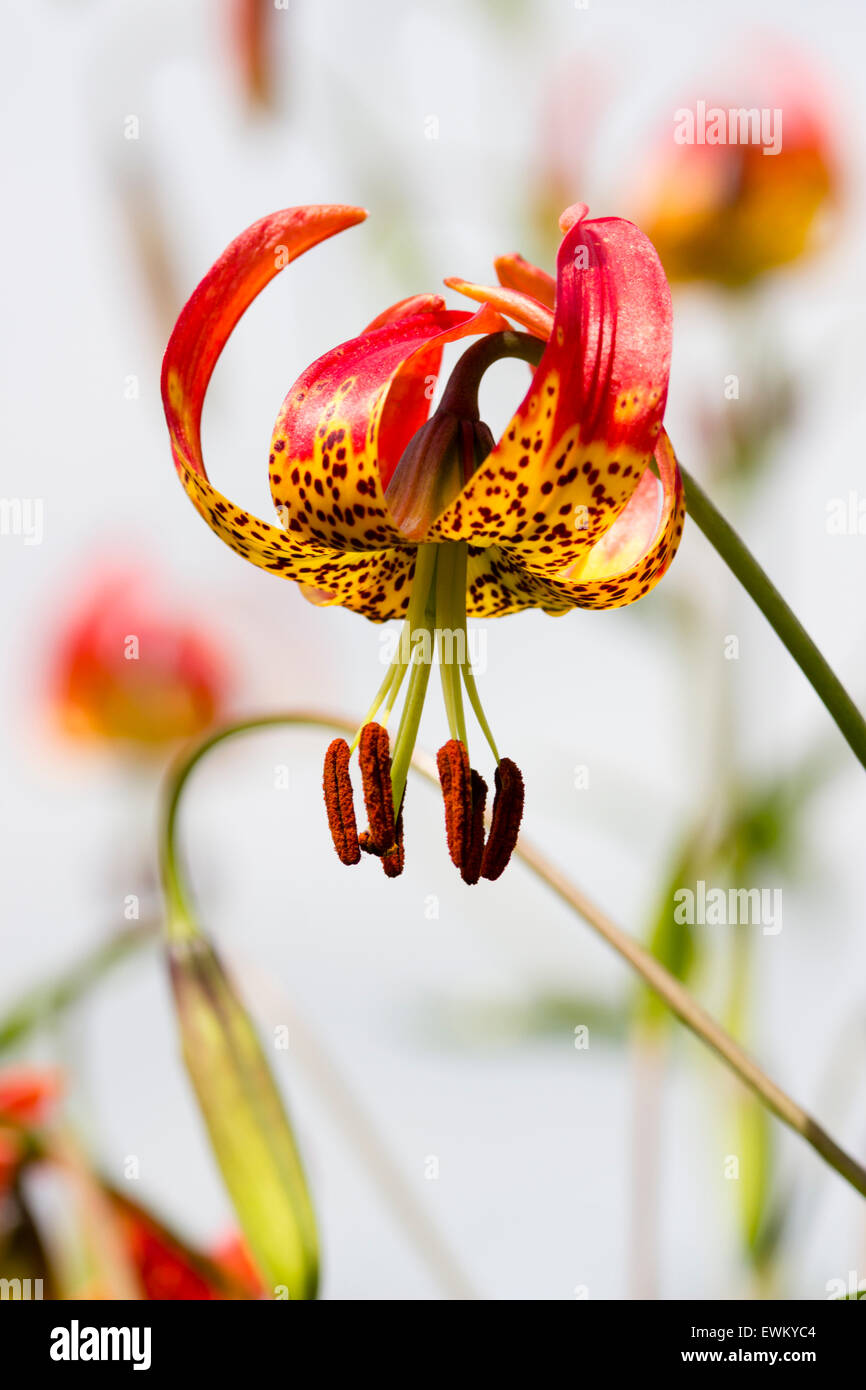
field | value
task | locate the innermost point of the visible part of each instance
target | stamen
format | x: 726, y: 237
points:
x: 452, y: 760
x: 472, y: 868
x: 393, y: 859
x: 464, y: 792
x: 384, y: 837
x: 337, y: 786
x: 505, y: 822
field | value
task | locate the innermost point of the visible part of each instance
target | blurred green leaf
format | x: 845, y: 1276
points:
x: 250, y: 1134
x: 755, y: 1153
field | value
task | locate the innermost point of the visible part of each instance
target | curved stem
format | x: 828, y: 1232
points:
x: 788, y: 628
x: 460, y: 396
x: 653, y: 973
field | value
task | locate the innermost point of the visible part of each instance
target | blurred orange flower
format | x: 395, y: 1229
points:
x: 743, y: 187
x: 131, y: 671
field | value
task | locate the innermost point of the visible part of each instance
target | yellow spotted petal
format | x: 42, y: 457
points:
x: 344, y: 425
x: 629, y: 560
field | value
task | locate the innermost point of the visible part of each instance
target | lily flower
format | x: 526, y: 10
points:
x: 395, y: 513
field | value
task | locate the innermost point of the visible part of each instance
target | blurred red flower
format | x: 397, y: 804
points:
x: 129, y: 670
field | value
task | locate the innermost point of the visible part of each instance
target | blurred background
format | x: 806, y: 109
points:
x: 432, y: 1073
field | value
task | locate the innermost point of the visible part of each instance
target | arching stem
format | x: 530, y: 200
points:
x: 653, y: 973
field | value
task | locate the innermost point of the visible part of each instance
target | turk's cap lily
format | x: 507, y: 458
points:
x: 129, y: 671
x: 395, y: 514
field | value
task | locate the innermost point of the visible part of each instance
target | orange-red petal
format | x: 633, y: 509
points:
x: 578, y: 445
x: 515, y: 273
x: 516, y: 305
x: 405, y: 308
x: 201, y: 332
x: 346, y: 421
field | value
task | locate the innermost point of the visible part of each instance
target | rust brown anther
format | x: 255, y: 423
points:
x: 465, y: 794
x: 455, y: 777
x: 339, y: 802
x: 471, y: 870
x: 393, y: 859
x: 374, y: 757
x: 384, y: 838
x: 505, y: 822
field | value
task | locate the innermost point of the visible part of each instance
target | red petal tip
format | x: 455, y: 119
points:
x: 572, y: 215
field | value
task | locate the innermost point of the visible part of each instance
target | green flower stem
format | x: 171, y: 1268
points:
x: 652, y: 972
x: 410, y: 722
x: 788, y: 628
x: 475, y: 702
x: 451, y: 620
x: 396, y: 687
x: 421, y: 619
x: 388, y: 691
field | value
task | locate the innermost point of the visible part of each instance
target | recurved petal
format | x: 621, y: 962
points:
x: 345, y: 423
x: 374, y: 583
x: 629, y: 560
x: 371, y: 584
x: 225, y: 293
x: 578, y: 446
x: 515, y: 304
x: 515, y: 273
x: 200, y: 334
x: 405, y: 308
x: 637, y: 550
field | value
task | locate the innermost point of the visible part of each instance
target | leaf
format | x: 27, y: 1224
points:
x: 249, y: 1131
